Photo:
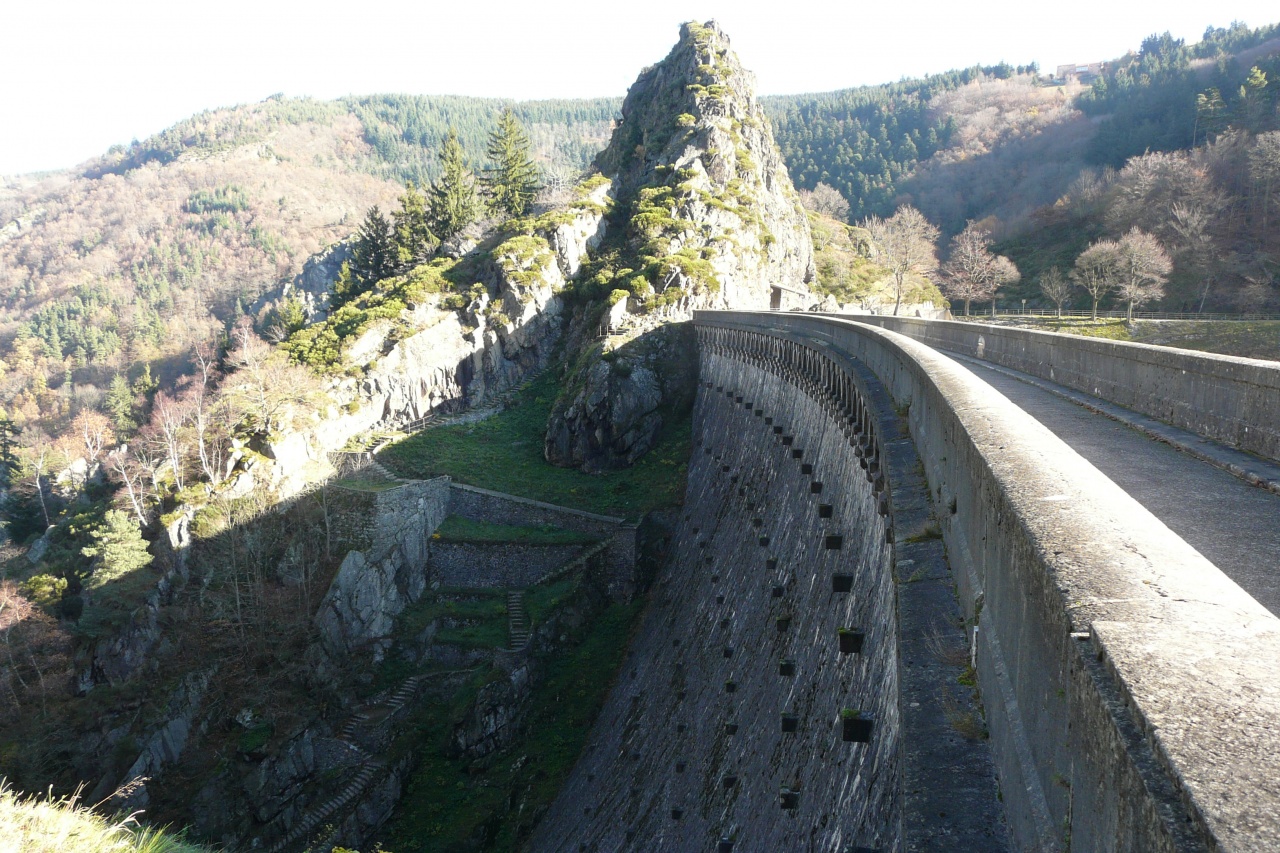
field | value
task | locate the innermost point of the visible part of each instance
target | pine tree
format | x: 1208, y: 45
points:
x: 453, y: 204
x: 119, y: 405
x: 413, y: 238
x: 118, y: 547
x: 512, y: 180
x: 374, y: 256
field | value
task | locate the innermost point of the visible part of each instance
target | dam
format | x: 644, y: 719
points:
x: 903, y: 614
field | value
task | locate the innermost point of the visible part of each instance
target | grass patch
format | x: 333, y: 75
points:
x: 455, y: 529
x: 505, y: 453
x: 367, y: 485
x: 44, y: 824
x: 488, y: 805
x: 472, y: 618
x: 1244, y: 338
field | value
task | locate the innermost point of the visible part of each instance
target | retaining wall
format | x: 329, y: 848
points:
x: 1229, y: 399
x: 496, y: 565
x: 499, y: 508
x: 1131, y: 688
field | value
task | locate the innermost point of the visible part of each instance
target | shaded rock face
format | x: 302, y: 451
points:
x: 374, y: 586
x: 712, y: 221
x: 616, y: 414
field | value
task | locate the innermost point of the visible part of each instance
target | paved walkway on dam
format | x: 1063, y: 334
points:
x: 1233, y: 524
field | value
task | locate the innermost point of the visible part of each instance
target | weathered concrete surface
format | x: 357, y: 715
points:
x: 1206, y: 505
x: 1130, y: 687
x: 1230, y: 399
x: 726, y: 728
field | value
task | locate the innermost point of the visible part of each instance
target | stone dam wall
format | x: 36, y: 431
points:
x: 1229, y: 399
x: 766, y: 702
x: 1130, y: 688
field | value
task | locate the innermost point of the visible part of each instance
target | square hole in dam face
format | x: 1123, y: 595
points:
x: 789, y: 800
x: 783, y: 623
x: 851, y: 641
x: 833, y: 543
x: 790, y: 723
x: 855, y: 729
x: 842, y: 583
x: 806, y: 468
x: 824, y: 510
x: 771, y: 564
x: 787, y: 668
x: 778, y: 591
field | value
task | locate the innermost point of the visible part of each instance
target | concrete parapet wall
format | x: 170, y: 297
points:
x: 1229, y: 399
x: 1131, y: 688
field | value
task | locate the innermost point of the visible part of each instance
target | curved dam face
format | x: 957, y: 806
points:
x: 763, y: 704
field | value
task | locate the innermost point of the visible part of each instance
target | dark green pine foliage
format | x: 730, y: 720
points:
x: 414, y: 239
x: 374, y: 256
x: 453, y: 203
x: 511, y: 181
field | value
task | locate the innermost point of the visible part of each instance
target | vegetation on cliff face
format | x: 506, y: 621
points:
x: 50, y: 824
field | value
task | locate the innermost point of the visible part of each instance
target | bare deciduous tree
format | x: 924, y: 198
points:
x: 1191, y: 223
x: 827, y: 200
x: 905, y: 245
x: 1264, y: 171
x: 1097, y: 270
x: 973, y: 272
x: 1143, y: 268
x: 93, y: 430
x: 1055, y: 287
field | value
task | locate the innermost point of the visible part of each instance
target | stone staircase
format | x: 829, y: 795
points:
x: 369, y: 769
x: 518, y: 627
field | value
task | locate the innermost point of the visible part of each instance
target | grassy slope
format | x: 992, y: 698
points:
x: 504, y: 453
x: 46, y: 825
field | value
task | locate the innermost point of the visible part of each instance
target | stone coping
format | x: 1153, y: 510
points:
x: 604, y: 519
x: 1066, y: 560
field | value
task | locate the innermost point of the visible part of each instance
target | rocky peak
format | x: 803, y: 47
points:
x: 714, y: 216
x: 707, y: 218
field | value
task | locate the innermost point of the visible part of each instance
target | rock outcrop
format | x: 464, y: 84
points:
x: 706, y: 217
x: 712, y: 208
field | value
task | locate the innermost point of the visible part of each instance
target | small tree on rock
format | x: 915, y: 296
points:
x: 511, y: 181
x: 453, y: 204
x: 414, y: 240
x: 827, y: 200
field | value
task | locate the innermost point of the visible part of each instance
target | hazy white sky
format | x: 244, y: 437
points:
x: 77, y: 76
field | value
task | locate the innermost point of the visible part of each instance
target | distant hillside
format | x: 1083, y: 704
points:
x: 152, y: 248
x: 998, y: 141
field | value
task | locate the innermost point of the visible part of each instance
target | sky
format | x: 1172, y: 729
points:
x: 77, y: 77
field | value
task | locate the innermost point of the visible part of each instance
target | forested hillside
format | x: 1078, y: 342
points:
x: 117, y: 271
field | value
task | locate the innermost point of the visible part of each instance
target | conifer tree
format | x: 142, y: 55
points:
x: 374, y: 255
x: 413, y: 238
x: 511, y: 180
x: 453, y: 204
x: 118, y: 547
